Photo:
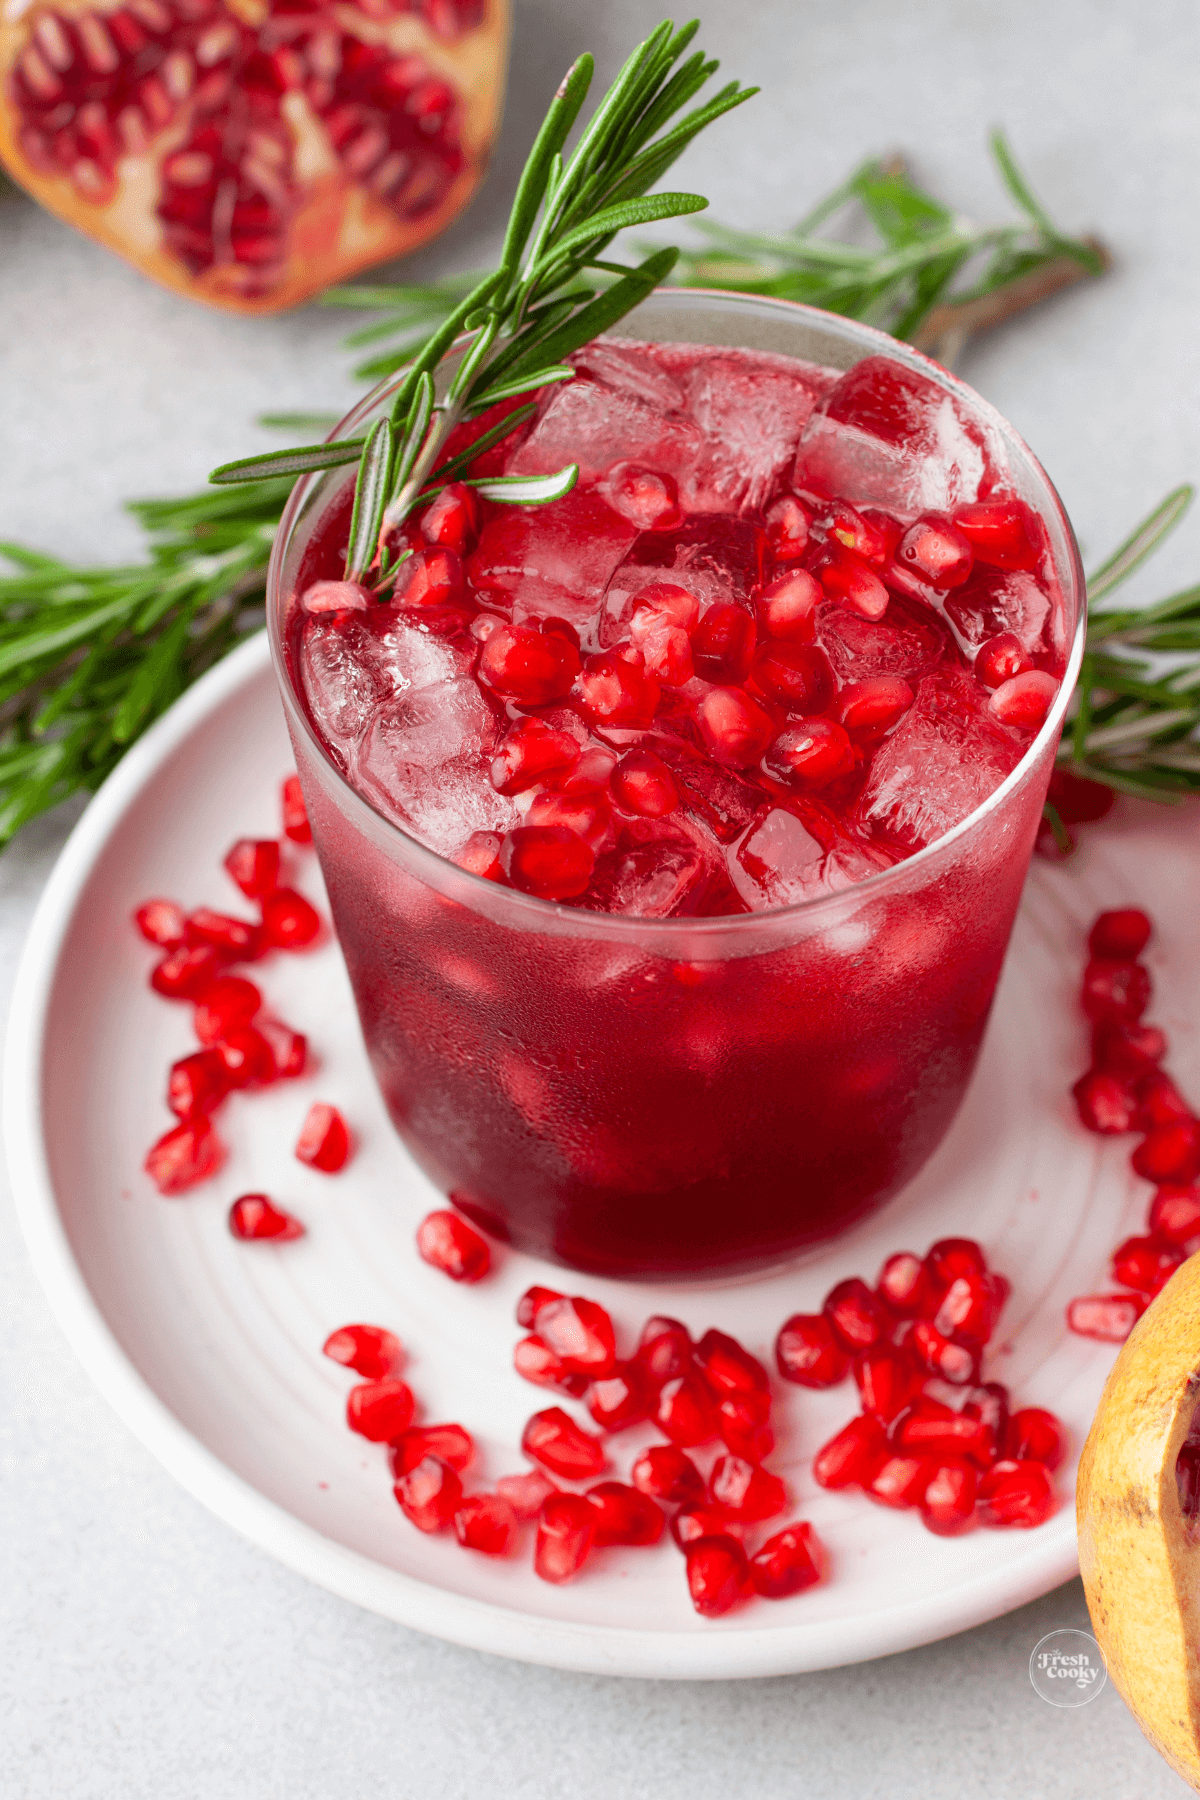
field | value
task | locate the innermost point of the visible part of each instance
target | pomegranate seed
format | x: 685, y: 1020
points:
x: 1169, y: 1153
x: 1016, y: 1494
x: 1144, y: 1264
x: 787, y: 529
x: 224, y: 1006
x: 187, y: 1154
x: 1000, y: 532
x: 810, y: 755
x: 666, y: 1473
x: 253, y: 1216
x: 789, y: 1562
x: 184, y: 973
x: 729, y: 1369
x: 1025, y: 700
x: 429, y: 1494
x: 723, y: 643
x: 525, y: 1493
x: 692, y: 1522
x: 618, y: 1400
x: 858, y: 1320
x: 948, y: 1507
x: 579, y: 1332
x: 336, y: 596
x: 550, y: 861
x: 870, y: 534
x: 234, y: 940
x: 324, y: 1142
x: 647, y: 499
x: 1160, y: 1101
x: 289, y: 1049
x: 1129, y: 1050
x: 452, y: 520
x: 380, y: 1410
x: 1035, y: 1435
x: 565, y: 1534
x: 744, y: 1491
x: 1000, y: 659
x: 369, y: 1350
x: 486, y: 1522
x: 1108, y: 1317
x: 1106, y: 1104
x: 530, y: 750
x: 590, y: 775
x: 851, y: 1458
x: 589, y: 815
x: 903, y: 1284
x: 531, y: 1299
x: 685, y: 1412
x: 624, y: 1515
x: 450, y: 1444
x: 661, y: 626
x: 1116, y: 993
x: 245, y: 1057
x: 971, y: 1307
x: 950, y: 1258
x: 480, y: 855
x: 1175, y: 1214
x: 936, y: 550
x: 432, y: 577
x: 534, y: 1361
x: 614, y: 689
x: 927, y: 1428
x: 956, y: 1363
x: 744, y: 1429
x: 1120, y: 936
x: 847, y: 578
x: 900, y: 1481
x: 253, y: 863
x: 717, y: 1574
x: 162, y: 922
x: 664, y: 1350
x: 289, y: 922
x: 884, y: 1381
x: 797, y: 676
x: 787, y: 607
x: 809, y: 1352
x: 554, y: 1439
x: 988, y: 1403
x: 295, y: 816
x: 196, y: 1084
x: 869, y: 708
x: 448, y: 1243
x: 735, y: 729
x: 643, y: 784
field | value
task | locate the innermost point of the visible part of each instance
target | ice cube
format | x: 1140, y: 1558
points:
x: 794, y: 854
x: 945, y: 757
x: 424, y: 761
x: 902, y: 643
x: 996, y: 600
x: 551, y: 560
x: 888, y: 436
x: 350, y: 662
x: 594, y: 425
x: 631, y: 368
x: 654, y: 880
x: 751, y: 412
x: 713, y: 556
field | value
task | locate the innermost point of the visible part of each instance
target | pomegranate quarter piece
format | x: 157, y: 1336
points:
x: 250, y: 156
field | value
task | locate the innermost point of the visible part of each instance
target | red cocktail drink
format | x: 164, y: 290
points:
x: 674, y: 830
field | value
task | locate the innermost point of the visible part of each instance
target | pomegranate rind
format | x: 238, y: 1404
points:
x: 339, y: 226
x: 1140, y: 1565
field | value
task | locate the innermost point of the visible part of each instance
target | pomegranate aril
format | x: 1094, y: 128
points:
x: 1159, y: 1101
x: 254, y: 1216
x: 1015, y: 1493
x: 246, y: 1057
x: 971, y: 1307
x: 692, y: 1522
x: 664, y: 1350
x: 871, y: 707
x: 225, y: 1005
x: 429, y: 1494
x: 685, y: 1411
x: 549, y: 861
x: 787, y: 607
x: 614, y: 690
x: 644, y: 497
x: 189, y: 1153
x: 1115, y: 993
x: 956, y: 1363
x: 937, y: 551
x: 717, y: 1574
x: 1106, y: 1103
x: 579, y: 1332
x: 735, y: 729
x: 554, y: 1439
x: 1121, y: 935
x: 666, y: 1473
x: 1107, y: 1317
x: 787, y: 525
x: 525, y: 1493
x: 452, y: 520
x: 904, y: 1284
x: 289, y: 1049
x: 624, y: 1515
x: 185, y: 973
x: 253, y: 864
x: 446, y: 1242
x: 618, y: 1400
x: 380, y: 1410
x: 450, y: 1444
x: 798, y: 677
x: 1035, y: 1435
x: 370, y: 1350
x: 480, y: 855
x: 589, y: 815
x: 162, y: 922
x: 1169, y: 1153
x: 900, y: 1481
x: 949, y: 1258
x: 744, y: 1428
x: 851, y: 1458
x: 927, y: 1428
x: 288, y: 921
x: 1002, y: 657
x: 234, y: 940
x: 565, y: 1535
x: 728, y: 1368
x: 885, y: 1383
x: 530, y: 750
x: 1000, y: 532
x: 810, y: 755
x: 742, y: 1490
x: 809, y: 1352
x: 486, y: 1522
x: 789, y: 1562
x: 531, y: 1299
x: 988, y: 1402
x: 1024, y: 700
x: 295, y: 816
x: 1175, y: 1214
x: 1145, y: 1264
x: 859, y: 1321
x: 847, y: 578
x: 1128, y: 1050
x: 432, y: 577
x: 948, y: 1506
x: 723, y: 643
x: 524, y: 665
x: 324, y: 1142
x: 196, y: 1084
x: 642, y: 784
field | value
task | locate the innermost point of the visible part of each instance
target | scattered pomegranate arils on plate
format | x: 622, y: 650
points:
x: 234, y: 940
x: 380, y: 1410
x: 951, y: 1257
x: 717, y: 1574
x: 224, y: 1005
x: 1175, y: 1214
x: 187, y: 1154
x: 535, y: 1361
x: 692, y: 1522
x: 565, y: 1535
x: 1121, y: 935
x: 288, y: 921
x: 948, y: 1504
x: 858, y: 1320
x: 197, y: 1083
x: 253, y: 864
x: 183, y: 974
x: 1116, y: 993
x: 1107, y: 1104
x: 1107, y: 1317
x: 289, y: 1049
x: 728, y: 1368
x: 1016, y: 1494
x: 579, y: 1333
x: 624, y: 1515
x: 1169, y: 1153
x: 666, y: 1473
x: 324, y: 1142
x: 1159, y: 1102
x: 450, y: 1444
x: 927, y: 1428
x: 1035, y: 1435
x: 971, y: 1307
x: 525, y: 1493
x: 429, y: 1494
x: 246, y: 1057
x: 618, y: 1400
x: 1144, y: 1264
x: 1132, y: 1051
x: 851, y: 1457
x: 293, y: 812
x: 940, y: 1355
x: 744, y: 1430
x: 664, y: 1350
x: 253, y: 1217
x: 161, y: 922
x: 370, y: 1350
x: 904, y: 1284
x: 685, y: 1412
x: 885, y: 1383
x: 487, y: 1523
x: 789, y: 1562
x: 553, y: 1439
x: 743, y: 1491
x: 446, y: 1242
x: 899, y: 1481
x: 251, y: 159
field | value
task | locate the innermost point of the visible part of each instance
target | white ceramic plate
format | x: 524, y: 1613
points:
x: 211, y: 1350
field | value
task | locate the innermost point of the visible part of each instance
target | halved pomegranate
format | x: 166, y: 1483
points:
x: 251, y: 152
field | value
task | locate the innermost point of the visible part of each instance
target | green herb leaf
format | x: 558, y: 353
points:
x: 527, y: 490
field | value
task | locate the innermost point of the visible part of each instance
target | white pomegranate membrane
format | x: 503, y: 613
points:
x: 790, y: 627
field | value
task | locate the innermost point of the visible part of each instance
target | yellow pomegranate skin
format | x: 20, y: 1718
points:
x: 1139, y: 1554
x: 249, y: 153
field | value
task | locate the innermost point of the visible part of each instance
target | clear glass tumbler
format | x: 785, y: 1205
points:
x: 683, y: 1097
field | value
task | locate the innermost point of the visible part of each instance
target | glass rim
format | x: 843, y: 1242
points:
x: 690, y: 929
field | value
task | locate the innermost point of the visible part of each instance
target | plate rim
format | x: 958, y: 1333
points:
x: 1040, y: 1564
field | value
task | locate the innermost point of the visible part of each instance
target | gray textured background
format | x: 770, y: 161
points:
x: 145, y: 1651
